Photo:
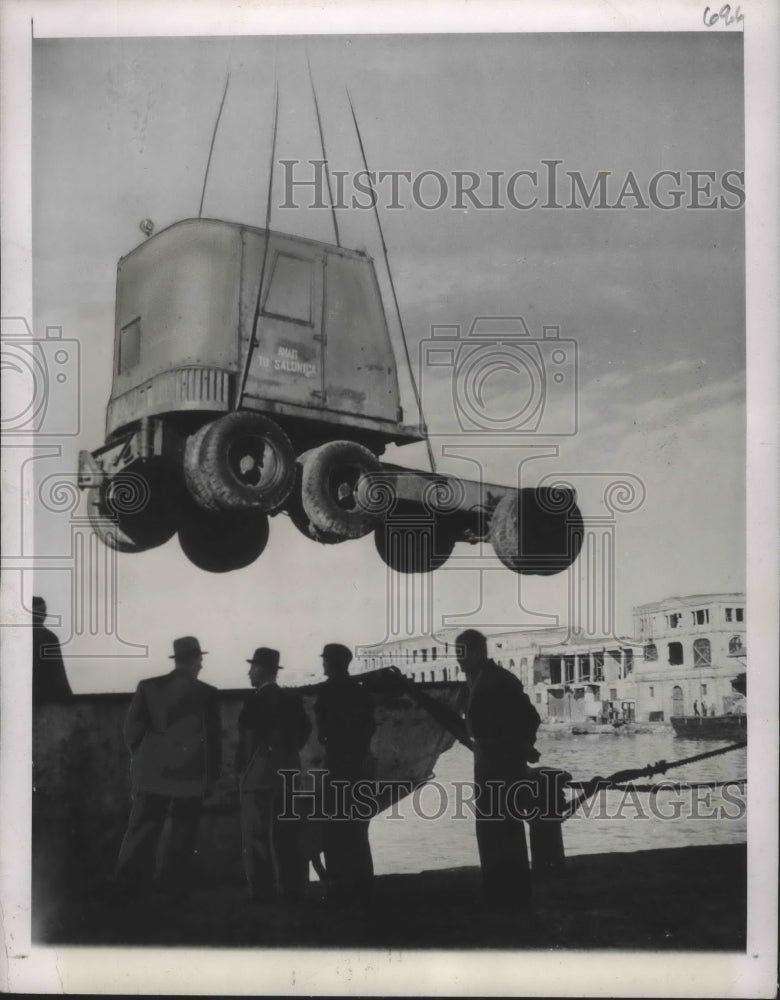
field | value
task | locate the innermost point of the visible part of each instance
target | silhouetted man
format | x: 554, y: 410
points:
x: 345, y: 724
x: 49, y: 682
x: 502, y: 724
x: 273, y: 729
x: 173, y: 733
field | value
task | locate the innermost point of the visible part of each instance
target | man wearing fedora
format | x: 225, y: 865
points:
x: 273, y: 729
x: 345, y: 724
x: 173, y: 733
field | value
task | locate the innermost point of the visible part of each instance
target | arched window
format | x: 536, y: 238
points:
x: 702, y: 656
x: 675, y: 654
x: 511, y: 664
x: 735, y: 644
x: 651, y: 652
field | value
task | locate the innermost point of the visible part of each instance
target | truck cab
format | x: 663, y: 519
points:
x: 192, y: 299
x: 253, y: 375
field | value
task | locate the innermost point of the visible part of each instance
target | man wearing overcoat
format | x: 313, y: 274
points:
x: 273, y: 729
x: 173, y: 733
x: 344, y: 712
x: 502, y: 724
x: 49, y: 680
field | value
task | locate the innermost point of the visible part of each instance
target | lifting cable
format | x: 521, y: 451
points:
x: 324, y: 153
x: 374, y: 200
x: 211, y: 147
x: 258, y: 304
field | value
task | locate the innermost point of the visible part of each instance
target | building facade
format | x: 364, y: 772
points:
x: 589, y: 683
x: 683, y: 656
x: 692, y: 648
x: 432, y: 658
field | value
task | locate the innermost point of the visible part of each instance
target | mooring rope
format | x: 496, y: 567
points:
x: 589, y: 788
x: 672, y: 786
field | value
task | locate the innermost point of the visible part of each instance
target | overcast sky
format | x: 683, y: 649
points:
x: 653, y: 299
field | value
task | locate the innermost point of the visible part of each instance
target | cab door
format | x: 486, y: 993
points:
x: 287, y: 359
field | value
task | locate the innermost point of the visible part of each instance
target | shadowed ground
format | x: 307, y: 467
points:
x: 690, y: 898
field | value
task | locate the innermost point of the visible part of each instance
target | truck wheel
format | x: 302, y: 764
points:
x: 222, y: 542
x: 193, y: 471
x: 243, y: 461
x: 133, y: 512
x: 537, y: 531
x: 414, y: 549
x: 328, y: 489
x: 294, y: 509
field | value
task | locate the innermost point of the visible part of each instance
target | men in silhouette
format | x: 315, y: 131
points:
x: 345, y: 724
x: 273, y: 729
x: 49, y: 681
x: 502, y: 724
x: 173, y: 733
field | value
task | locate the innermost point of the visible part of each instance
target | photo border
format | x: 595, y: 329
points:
x: 254, y: 972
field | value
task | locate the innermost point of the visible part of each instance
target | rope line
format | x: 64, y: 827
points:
x: 415, y: 387
x: 211, y: 147
x: 589, y: 788
x: 674, y: 786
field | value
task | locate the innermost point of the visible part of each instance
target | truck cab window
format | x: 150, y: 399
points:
x: 129, y: 346
x: 290, y: 289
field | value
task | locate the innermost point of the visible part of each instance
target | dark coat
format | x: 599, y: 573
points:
x: 502, y: 722
x: 344, y: 711
x: 50, y: 682
x: 174, y: 734
x: 273, y: 728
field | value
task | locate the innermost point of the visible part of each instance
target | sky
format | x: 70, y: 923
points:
x: 651, y: 300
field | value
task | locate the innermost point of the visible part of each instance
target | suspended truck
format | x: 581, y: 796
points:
x: 254, y: 375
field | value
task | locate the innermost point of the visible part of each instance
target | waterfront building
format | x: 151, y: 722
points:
x: 684, y: 650
x: 588, y: 682
x: 432, y: 658
x: 692, y: 649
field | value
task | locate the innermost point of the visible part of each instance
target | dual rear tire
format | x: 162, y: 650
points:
x: 241, y: 462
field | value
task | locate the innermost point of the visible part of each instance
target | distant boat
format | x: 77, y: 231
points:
x: 710, y: 727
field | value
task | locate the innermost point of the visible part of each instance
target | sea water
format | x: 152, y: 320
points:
x: 434, y: 828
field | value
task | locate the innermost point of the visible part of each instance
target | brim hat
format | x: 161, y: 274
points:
x: 186, y: 646
x: 263, y: 656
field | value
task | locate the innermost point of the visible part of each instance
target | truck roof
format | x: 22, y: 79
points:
x: 330, y: 247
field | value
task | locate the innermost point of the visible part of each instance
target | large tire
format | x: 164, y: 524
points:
x: 193, y: 474
x: 134, y: 511
x: 294, y: 509
x: 408, y: 548
x: 243, y: 461
x: 219, y: 543
x: 537, y: 532
x: 329, y: 489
